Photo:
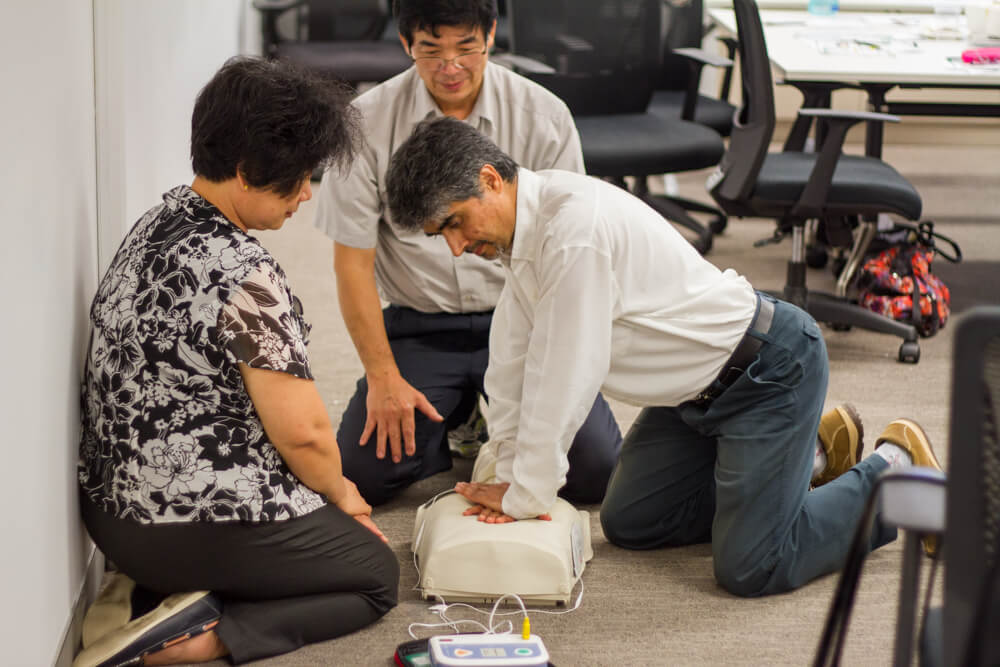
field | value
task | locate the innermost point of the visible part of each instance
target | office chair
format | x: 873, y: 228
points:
x: 678, y: 81
x: 679, y: 78
x: 601, y: 58
x: 794, y: 187
x: 963, y: 511
x: 338, y: 38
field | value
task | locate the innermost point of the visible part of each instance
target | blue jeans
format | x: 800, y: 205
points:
x: 737, y: 472
x: 444, y: 356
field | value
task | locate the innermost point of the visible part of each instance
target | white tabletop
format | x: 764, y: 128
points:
x: 912, y: 6
x: 869, y: 47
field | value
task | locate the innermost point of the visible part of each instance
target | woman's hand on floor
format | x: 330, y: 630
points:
x: 352, y: 503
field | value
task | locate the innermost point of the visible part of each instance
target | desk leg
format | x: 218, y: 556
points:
x: 876, y: 102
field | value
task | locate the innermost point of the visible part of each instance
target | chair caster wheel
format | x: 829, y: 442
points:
x: 718, y: 224
x: 909, y: 352
x: 839, y: 326
x: 816, y: 256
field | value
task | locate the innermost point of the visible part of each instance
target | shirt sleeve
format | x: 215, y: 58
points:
x: 349, y: 205
x: 543, y: 381
x: 261, y: 324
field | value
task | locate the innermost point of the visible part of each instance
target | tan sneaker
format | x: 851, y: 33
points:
x: 841, y: 434
x: 909, y: 435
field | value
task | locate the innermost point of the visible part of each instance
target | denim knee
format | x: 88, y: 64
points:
x: 739, y: 573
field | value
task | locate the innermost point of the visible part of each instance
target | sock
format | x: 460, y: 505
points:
x: 819, y: 461
x: 895, y: 455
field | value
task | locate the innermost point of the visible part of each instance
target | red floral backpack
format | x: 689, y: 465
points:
x: 899, y: 275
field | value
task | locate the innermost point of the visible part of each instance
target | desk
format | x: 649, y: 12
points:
x: 912, y: 6
x: 875, y: 51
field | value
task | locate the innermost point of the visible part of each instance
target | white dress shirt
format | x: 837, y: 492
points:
x: 525, y: 120
x: 602, y: 294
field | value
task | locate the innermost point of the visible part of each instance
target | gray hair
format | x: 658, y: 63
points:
x: 437, y: 166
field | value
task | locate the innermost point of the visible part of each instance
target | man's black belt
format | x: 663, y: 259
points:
x: 742, y: 356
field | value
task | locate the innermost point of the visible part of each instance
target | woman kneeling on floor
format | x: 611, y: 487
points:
x: 207, y: 459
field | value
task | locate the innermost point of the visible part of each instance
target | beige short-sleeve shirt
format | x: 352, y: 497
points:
x: 524, y: 119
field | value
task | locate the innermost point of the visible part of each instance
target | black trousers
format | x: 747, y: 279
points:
x: 283, y: 584
x: 445, y: 355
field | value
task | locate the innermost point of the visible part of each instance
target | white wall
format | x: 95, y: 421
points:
x: 48, y: 272
x: 152, y: 58
x: 72, y: 181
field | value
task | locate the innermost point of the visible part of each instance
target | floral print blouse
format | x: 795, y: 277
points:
x: 169, y: 432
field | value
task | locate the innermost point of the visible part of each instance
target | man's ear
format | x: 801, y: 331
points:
x: 491, y: 37
x: 406, y: 45
x: 490, y: 179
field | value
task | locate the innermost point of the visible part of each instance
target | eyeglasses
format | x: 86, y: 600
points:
x: 467, y: 60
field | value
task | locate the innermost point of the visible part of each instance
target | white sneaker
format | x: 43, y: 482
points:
x: 465, y: 439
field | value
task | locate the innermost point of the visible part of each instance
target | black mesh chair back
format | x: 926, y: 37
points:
x: 337, y: 20
x: 342, y: 39
x: 588, y: 37
x: 754, y: 123
x: 972, y: 536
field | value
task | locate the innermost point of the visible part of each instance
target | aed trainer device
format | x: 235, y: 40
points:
x: 487, y: 651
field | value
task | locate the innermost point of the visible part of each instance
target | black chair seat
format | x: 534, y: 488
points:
x: 861, y: 185
x: 710, y: 111
x: 643, y: 144
x: 351, y: 61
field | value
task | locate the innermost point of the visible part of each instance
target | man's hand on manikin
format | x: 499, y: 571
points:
x: 488, y: 499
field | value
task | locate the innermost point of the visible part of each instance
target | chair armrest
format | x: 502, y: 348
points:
x: 914, y: 499
x: 696, y: 59
x: 852, y: 117
x: 704, y: 57
x: 523, y: 63
x: 275, y: 5
x: 813, y: 197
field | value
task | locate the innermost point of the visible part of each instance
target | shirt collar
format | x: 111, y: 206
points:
x: 526, y: 224
x: 483, y: 113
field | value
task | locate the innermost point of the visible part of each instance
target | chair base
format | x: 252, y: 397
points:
x: 842, y: 314
x: 676, y: 209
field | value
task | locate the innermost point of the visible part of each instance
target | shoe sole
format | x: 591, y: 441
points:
x: 921, y: 436
x: 108, y: 647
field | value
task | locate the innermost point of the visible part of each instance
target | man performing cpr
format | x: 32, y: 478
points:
x: 602, y: 294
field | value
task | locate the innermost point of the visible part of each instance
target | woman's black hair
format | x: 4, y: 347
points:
x: 272, y: 122
x: 429, y: 15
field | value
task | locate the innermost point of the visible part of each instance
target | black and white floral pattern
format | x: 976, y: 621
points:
x: 169, y: 432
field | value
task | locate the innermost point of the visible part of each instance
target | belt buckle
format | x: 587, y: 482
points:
x: 705, y: 397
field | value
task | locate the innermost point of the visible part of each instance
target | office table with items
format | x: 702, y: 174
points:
x: 875, y: 51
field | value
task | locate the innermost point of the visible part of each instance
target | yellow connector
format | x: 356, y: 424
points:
x: 526, y: 629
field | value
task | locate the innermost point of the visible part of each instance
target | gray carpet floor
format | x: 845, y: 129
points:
x: 663, y: 607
